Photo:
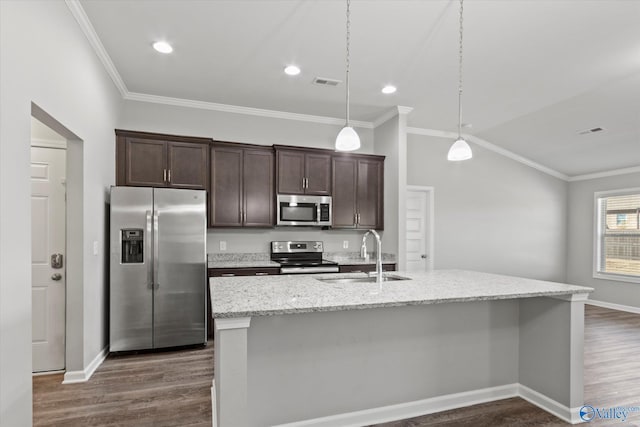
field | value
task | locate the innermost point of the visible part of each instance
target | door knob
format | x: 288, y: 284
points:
x: 423, y: 256
x: 56, y: 276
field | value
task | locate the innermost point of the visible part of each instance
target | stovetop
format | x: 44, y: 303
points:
x: 299, y: 254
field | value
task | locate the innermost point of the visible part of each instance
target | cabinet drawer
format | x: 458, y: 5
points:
x: 365, y: 268
x: 231, y: 272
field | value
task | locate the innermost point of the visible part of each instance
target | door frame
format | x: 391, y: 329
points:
x: 429, y: 223
x: 74, y: 299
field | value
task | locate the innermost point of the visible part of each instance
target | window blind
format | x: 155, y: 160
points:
x: 619, y: 234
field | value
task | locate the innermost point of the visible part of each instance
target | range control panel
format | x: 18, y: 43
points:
x: 296, y: 247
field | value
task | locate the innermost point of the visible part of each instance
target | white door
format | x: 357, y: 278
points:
x: 418, y: 238
x: 48, y: 238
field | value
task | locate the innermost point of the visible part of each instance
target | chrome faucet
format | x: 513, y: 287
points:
x: 365, y: 255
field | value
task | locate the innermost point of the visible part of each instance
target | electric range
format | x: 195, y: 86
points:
x: 301, y: 257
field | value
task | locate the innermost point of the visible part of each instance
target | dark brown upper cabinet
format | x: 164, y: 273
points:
x: 242, y: 186
x: 358, y: 191
x: 157, y: 160
x: 303, y: 170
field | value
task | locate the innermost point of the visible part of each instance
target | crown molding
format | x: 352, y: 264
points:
x: 604, y: 174
x: 83, y: 20
x: 492, y: 147
x: 204, y: 105
x: 395, y: 111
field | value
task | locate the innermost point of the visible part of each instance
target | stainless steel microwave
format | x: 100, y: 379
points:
x: 304, y: 210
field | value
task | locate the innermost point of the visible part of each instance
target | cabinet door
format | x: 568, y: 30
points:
x: 344, y: 192
x: 369, y: 194
x: 318, y: 174
x: 145, y: 162
x: 226, y: 187
x: 187, y: 165
x: 258, y: 188
x: 290, y: 165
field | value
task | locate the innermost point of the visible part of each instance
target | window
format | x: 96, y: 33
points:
x: 617, y: 252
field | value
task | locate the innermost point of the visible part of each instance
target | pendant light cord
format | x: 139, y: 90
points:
x: 348, y: 53
x: 459, y: 77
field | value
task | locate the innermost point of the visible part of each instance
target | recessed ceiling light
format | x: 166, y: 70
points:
x: 388, y: 89
x: 163, y: 47
x: 292, y: 70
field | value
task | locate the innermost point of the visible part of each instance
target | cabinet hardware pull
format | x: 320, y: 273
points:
x: 169, y: 176
x: 228, y: 275
x: 164, y: 175
x: 262, y: 274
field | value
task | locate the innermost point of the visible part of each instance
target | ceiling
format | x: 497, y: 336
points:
x: 535, y: 71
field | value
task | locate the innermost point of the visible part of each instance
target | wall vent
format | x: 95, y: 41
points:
x: 326, y: 82
x: 592, y: 130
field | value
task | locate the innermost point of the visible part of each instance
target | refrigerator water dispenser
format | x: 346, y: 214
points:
x: 132, y: 246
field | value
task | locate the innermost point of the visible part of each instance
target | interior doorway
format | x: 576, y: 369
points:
x: 48, y: 248
x: 419, y: 235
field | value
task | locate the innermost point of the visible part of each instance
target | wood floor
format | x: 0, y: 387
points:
x: 173, y: 388
x: 155, y: 389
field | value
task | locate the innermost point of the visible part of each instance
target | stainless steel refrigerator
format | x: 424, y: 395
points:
x: 158, y: 268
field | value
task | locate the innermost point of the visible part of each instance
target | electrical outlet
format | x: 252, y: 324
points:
x: 345, y: 244
x: 95, y: 248
x: 223, y: 245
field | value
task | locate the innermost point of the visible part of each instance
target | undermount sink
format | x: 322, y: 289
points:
x: 372, y: 279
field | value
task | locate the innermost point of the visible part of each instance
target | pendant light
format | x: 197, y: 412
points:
x: 348, y: 139
x: 460, y: 150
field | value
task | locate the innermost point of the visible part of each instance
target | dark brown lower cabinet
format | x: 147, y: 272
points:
x: 365, y: 268
x: 242, y: 186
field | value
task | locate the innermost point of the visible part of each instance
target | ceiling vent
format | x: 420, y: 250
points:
x: 592, y: 130
x: 326, y: 82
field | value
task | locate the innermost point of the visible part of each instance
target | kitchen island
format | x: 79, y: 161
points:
x: 296, y: 350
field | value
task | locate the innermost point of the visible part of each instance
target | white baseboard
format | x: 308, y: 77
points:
x: 442, y: 403
x: 411, y: 409
x: 620, y: 307
x: 214, y: 414
x: 570, y: 415
x: 71, y: 377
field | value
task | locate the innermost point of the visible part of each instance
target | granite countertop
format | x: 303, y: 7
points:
x: 240, y: 260
x: 354, y: 258
x: 271, y: 295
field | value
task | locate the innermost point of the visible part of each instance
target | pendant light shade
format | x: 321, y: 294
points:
x: 460, y: 150
x: 348, y: 139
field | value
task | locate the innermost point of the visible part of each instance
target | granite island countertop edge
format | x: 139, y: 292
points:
x: 260, y: 296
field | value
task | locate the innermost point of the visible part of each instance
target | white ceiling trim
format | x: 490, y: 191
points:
x: 204, y: 105
x: 395, y: 111
x: 489, y: 146
x: 83, y: 20
x: 605, y: 174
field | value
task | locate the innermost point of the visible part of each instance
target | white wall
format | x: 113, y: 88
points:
x: 45, y: 59
x: 491, y: 213
x: 581, y: 236
x: 223, y: 126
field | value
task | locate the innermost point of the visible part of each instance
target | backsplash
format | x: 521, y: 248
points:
x: 258, y: 241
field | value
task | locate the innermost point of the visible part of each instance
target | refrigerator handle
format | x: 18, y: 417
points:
x: 147, y: 249
x: 155, y: 250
